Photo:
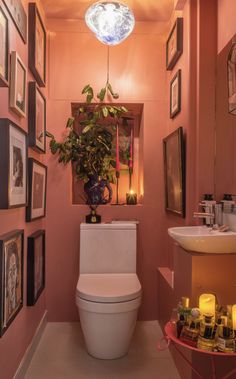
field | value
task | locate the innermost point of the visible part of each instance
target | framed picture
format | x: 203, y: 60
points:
x: 35, y: 266
x: 174, y: 171
x: 174, y: 44
x: 37, y: 118
x: 231, y: 65
x: 18, y: 85
x: 18, y: 15
x: 4, y: 50
x: 11, y: 277
x: 37, y: 45
x: 175, y: 94
x: 37, y: 177
x: 13, y: 165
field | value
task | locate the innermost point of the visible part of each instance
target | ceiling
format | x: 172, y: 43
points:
x: 144, y: 10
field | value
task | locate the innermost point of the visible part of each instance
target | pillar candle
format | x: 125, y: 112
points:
x: 117, y: 150
x: 207, y: 303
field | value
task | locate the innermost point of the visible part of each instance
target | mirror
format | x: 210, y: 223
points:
x: 225, y: 158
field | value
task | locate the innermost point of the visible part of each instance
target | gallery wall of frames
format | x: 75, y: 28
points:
x: 22, y: 133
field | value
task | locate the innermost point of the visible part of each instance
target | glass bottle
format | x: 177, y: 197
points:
x: 226, y: 341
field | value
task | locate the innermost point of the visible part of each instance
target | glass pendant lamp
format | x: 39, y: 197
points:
x: 112, y: 22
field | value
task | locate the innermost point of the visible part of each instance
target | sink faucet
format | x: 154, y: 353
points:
x: 212, y: 215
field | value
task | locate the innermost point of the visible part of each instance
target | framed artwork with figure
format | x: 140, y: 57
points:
x: 19, y: 17
x: 4, y: 49
x: 37, y: 45
x: 35, y: 266
x: 18, y: 85
x: 11, y: 277
x: 13, y: 165
x: 175, y: 94
x: 174, y: 44
x: 174, y: 171
x: 37, y: 176
x: 37, y: 118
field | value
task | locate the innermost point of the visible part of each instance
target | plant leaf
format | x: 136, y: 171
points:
x: 86, y: 89
x: 70, y: 122
x: 101, y: 94
x: 105, y: 111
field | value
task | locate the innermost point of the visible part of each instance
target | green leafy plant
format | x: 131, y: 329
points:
x: 90, y: 148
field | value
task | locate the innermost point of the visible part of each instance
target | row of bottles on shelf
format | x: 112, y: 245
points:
x: 210, y: 327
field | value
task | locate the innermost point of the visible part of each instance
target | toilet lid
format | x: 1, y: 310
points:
x: 108, y: 288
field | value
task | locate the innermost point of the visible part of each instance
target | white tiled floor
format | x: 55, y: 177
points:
x: 61, y: 355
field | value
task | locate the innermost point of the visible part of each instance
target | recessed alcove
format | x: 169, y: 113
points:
x: 133, y: 119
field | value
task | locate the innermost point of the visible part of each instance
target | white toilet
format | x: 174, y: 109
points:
x: 108, y: 293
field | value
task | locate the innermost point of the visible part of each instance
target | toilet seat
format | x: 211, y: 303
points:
x: 108, y: 288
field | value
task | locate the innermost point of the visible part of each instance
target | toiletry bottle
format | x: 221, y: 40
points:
x: 206, y: 338
x: 208, y: 203
x: 179, y: 325
x: 189, y: 334
x: 228, y: 203
x: 184, y: 309
x: 226, y: 341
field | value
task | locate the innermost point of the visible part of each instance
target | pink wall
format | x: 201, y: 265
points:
x: 137, y: 72
x: 226, y: 22
x: 18, y: 336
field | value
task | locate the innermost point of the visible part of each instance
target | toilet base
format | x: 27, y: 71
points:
x: 108, y: 335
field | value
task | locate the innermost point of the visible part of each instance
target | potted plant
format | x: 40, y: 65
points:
x: 90, y: 147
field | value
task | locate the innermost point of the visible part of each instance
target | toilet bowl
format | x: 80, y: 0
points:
x: 108, y: 292
x: 108, y: 306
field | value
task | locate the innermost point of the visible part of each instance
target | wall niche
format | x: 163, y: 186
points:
x: 132, y: 121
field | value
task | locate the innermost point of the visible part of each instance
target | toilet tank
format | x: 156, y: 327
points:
x: 108, y: 248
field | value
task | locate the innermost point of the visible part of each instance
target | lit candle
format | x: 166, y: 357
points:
x: 131, y: 150
x: 131, y: 198
x: 117, y: 150
x: 234, y: 316
x: 207, y: 303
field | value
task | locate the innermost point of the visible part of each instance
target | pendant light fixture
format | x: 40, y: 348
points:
x: 112, y: 22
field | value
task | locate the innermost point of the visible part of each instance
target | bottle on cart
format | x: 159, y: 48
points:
x: 206, y: 337
x: 226, y: 340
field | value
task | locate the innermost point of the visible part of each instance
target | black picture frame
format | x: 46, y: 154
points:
x: 4, y: 59
x: 231, y: 78
x: 19, y: 17
x: 11, y: 277
x: 37, y: 118
x: 174, y: 172
x: 175, y: 94
x: 13, y: 165
x: 37, y: 45
x: 37, y: 179
x: 35, y: 266
x: 174, y: 44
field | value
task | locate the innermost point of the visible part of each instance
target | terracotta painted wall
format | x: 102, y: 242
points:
x: 137, y: 72
x: 18, y: 336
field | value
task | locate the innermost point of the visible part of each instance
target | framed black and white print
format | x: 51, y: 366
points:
x: 35, y: 266
x: 18, y: 15
x: 11, y: 277
x: 175, y: 94
x: 18, y: 85
x: 174, y: 44
x: 13, y: 165
x: 4, y: 49
x: 174, y: 171
x: 37, y: 179
x: 37, y: 45
x: 37, y: 118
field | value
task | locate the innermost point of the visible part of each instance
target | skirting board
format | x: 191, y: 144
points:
x: 25, y: 362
